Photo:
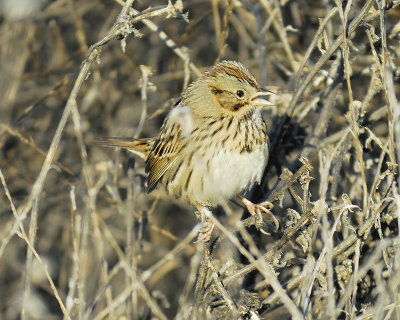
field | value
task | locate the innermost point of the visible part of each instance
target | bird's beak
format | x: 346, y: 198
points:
x: 260, y: 99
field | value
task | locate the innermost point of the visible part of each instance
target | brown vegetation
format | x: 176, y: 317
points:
x: 81, y: 239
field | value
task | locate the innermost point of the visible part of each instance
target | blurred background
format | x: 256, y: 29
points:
x: 86, y: 241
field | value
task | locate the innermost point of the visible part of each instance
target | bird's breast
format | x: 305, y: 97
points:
x: 221, y: 160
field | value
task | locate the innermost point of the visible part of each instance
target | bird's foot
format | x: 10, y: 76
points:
x: 208, y: 226
x: 257, y: 209
x: 206, y: 232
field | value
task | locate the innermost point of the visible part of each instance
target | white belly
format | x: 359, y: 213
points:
x: 228, y: 174
x: 233, y: 173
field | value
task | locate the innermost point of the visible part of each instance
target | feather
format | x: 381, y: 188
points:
x: 164, y: 153
x: 139, y: 147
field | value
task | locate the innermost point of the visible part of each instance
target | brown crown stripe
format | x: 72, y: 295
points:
x: 233, y: 71
x: 239, y: 74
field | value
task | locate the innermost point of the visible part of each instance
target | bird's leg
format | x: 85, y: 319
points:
x: 256, y: 209
x: 208, y: 226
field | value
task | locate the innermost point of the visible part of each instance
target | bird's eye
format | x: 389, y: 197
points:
x: 240, y: 93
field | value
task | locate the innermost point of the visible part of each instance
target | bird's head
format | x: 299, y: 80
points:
x: 228, y: 88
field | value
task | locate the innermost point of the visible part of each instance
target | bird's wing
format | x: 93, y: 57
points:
x: 164, y: 153
x: 175, y: 134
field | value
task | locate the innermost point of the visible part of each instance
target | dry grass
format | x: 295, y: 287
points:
x: 81, y: 239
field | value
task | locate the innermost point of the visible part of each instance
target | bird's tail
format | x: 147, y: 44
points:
x: 139, y: 147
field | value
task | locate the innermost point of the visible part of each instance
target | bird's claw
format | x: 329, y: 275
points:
x: 205, y: 232
x: 257, y: 209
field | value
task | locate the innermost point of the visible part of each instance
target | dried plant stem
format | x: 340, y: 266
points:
x: 216, y: 21
x: 101, y: 248
x: 164, y: 37
x: 304, y: 84
x: 146, y: 72
x: 32, y: 203
x: 265, y: 270
x: 394, y: 119
x: 314, y: 42
x: 225, y: 29
x: 21, y: 233
x: 354, y: 119
x: 279, y: 28
x: 277, y: 193
x: 322, y: 257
